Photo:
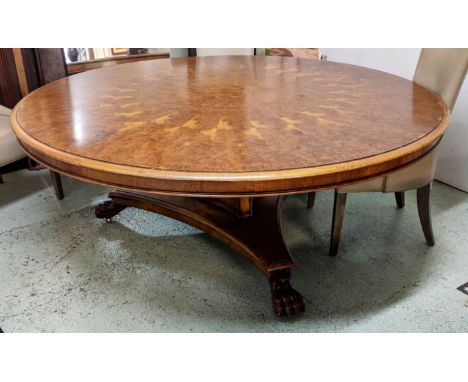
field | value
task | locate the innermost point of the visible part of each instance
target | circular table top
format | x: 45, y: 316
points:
x: 229, y: 125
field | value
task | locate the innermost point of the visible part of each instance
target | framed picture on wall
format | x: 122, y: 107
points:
x: 313, y: 53
x: 119, y: 51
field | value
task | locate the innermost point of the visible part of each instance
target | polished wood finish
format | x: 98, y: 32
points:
x: 339, y: 205
x: 35, y: 68
x: 10, y: 91
x: 400, y: 199
x: 51, y: 66
x: 286, y: 300
x: 242, y: 207
x: 244, y: 129
x: 424, y: 211
x: 21, y: 71
x: 79, y: 67
x: 258, y: 237
x: 27, y: 69
x: 140, y: 126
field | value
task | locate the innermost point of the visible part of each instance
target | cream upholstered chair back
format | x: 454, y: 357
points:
x: 10, y: 150
x: 443, y: 71
x: 4, y: 111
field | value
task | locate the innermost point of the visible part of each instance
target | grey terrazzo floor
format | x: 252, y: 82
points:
x: 62, y: 270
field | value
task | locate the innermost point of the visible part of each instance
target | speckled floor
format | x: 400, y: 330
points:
x: 62, y: 270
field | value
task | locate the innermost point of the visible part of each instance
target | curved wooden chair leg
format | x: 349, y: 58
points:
x: 310, y: 199
x: 424, y: 211
x: 338, y: 214
x: 400, y: 199
x: 57, y: 183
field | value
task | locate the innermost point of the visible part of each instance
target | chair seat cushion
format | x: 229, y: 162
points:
x: 10, y: 149
x: 414, y: 176
x: 4, y: 111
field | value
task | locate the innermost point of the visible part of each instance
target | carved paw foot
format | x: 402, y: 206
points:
x: 286, y: 300
x: 107, y: 210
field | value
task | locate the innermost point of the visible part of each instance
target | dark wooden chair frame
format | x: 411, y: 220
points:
x: 339, y: 204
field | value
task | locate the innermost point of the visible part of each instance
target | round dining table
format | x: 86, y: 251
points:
x: 217, y: 142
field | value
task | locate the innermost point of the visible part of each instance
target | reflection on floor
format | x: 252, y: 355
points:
x: 62, y: 270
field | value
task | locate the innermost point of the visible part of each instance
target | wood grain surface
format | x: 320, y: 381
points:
x: 229, y: 126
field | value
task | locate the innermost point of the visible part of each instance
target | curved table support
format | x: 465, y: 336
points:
x: 256, y: 235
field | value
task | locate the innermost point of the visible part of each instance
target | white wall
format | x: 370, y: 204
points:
x: 453, y: 160
x: 401, y: 62
x: 178, y: 52
x: 452, y: 167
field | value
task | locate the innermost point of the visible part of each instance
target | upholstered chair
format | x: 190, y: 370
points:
x: 443, y: 71
x: 10, y: 150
